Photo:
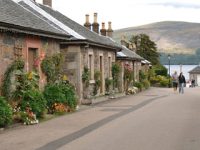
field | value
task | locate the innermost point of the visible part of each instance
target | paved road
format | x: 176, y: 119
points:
x: 157, y: 119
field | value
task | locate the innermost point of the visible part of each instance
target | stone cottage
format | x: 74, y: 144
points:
x: 24, y: 35
x: 85, y: 49
x: 194, y: 74
x: 146, y: 65
x: 129, y: 58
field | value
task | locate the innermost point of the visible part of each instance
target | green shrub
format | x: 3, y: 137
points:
x: 164, y: 83
x: 160, y: 70
x: 146, y: 84
x: 53, y: 94
x: 70, y: 95
x: 138, y: 85
x: 60, y: 93
x: 5, y: 112
x: 108, y: 83
x: 34, y: 99
x: 160, y: 81
x: 23, y: 83
x: 116, y: 68
x: 142, y: 76
x: 86, y: 76
x: 97, y: 84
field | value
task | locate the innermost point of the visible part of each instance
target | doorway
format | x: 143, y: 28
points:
x: 32, y: 55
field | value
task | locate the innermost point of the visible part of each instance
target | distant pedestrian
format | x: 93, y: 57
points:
x: 175, y: 81
x: 193, y: 83
x: 181, y: 82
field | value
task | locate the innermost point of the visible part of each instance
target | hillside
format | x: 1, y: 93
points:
x: 170, y: 36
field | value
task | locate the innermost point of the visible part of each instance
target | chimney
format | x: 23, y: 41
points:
x: 95, y: 25
x: 87, y: 22
x: 47, y: 2
x: 130, y: 46
x: 123, y: 40
x: 103, y: 29
x: 110, y: 31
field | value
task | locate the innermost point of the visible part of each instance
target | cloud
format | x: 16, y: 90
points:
x: 177, y: 5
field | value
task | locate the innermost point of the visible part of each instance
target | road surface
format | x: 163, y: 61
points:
x: 157, y: 119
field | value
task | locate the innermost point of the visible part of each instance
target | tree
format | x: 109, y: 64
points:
x: 146, y: 48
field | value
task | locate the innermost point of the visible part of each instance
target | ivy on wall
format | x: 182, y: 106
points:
x: 51, y: 66
x: 97, y: 82
x: 6, y: 83
x: 115, y: 73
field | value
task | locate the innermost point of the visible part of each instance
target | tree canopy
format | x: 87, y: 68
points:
x: 146, y: 48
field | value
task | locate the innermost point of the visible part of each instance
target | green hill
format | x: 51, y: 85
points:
x: 180, y: 39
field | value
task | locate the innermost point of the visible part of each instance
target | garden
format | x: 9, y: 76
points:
x: 158, y: 76
x: 131, y: 86
x: 23, y: 101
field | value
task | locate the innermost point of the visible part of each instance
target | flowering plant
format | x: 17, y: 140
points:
x: 128, y: 72
x: 28, y: 117
x: 59, y: 108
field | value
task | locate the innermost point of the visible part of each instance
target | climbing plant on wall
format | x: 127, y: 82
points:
x: 86, y: 76
x: 97, y: 82
x: 6, y: 83
x: 115, y: 73
x: 51, y: 66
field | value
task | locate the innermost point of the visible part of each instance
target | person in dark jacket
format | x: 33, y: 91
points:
x: 182, y: 83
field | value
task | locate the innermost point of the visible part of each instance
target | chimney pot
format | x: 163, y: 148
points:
x: 103, y: 25
x: 87, y: 22
x: 95, y: 25
x: 87, y: 18
x: 103, y: 30
x: 110, y: 25
x: 47, y: 2
x: 95, y: 17
x: 110, y: 31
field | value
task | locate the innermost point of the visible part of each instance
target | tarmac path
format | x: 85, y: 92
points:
x: 156, y: 119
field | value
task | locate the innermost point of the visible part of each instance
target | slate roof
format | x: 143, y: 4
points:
x: 146, y: 62
x: 196, y: 70
x: 15, y: 16
x: 128, y: 54
x: 78, y: 31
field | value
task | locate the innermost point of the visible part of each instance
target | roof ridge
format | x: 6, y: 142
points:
x: 17, y: 2
x: 51, y: 18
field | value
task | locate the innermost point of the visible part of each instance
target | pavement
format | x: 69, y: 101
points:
x: 156, y: 119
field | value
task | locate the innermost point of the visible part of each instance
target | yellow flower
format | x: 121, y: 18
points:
x: 30, y: 75
x: 64, y: 78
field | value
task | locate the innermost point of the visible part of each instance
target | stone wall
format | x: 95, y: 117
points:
x: 14, y: 45
x: 135, y: 66
x: 77, y: 57
x: 122, y: 83
x: 72, y: 66
x: 98, y: 53
x: 145, y: 67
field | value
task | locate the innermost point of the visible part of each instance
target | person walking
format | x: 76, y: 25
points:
x: 182, y: 82
x: 175, y: 80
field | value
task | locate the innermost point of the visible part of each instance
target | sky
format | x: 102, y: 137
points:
x: 129, y: 13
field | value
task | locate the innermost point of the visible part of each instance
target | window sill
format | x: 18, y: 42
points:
x: 92, y: 81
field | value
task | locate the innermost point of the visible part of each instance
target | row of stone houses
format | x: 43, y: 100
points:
x: 24, y: 35
x: 30, y: 30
